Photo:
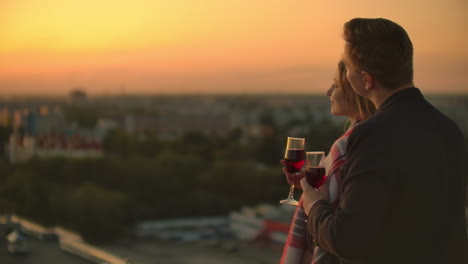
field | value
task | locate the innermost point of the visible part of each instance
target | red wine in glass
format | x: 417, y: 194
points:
x: 294, y: 160
x: 315, y: 172
x: 315, y: 175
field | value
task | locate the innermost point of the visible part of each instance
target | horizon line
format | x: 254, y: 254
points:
x: 126, y: 94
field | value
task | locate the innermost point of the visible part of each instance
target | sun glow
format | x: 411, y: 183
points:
x: 86, y: 25
x: 210, y: 45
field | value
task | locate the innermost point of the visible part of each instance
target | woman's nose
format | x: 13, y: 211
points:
x: 330, y: 90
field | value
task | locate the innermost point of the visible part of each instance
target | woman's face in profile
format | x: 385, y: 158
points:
x: 339, y: 104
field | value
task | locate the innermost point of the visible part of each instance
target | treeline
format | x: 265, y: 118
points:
x: 145, y: 177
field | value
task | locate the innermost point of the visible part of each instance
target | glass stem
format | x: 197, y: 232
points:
x: 291, y: 192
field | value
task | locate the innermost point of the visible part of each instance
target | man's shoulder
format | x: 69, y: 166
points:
x: 405, y: 120
x: 441, y: 123
x: 369, y: 133
x: 368, y: 127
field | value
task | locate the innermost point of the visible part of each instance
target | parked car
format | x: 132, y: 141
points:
x: 17, y: 243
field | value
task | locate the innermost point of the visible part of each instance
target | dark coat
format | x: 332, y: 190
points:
x: 402, y: 192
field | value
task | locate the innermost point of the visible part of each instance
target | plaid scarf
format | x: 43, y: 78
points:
x: 297, y: 250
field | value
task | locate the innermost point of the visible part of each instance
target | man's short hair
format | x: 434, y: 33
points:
x: 382, y: 48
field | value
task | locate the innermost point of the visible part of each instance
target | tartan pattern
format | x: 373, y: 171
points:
x: 295, y: 244
x: 295, y: 247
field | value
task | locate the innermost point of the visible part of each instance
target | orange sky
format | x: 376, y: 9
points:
x: 198, y: 46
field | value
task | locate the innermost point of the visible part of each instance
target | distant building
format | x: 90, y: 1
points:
x: 174, y: 126
x: 140, y: 123
x: 23, y: 148
x: 44, y: 121
x: 35, y: 120
x: 104, y: 125
x: 78, y: 96
x: 20, y: 148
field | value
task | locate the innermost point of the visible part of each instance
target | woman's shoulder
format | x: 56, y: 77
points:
x: 341, y: 142
x: 349, y: 130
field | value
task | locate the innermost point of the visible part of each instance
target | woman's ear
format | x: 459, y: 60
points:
x: 369, y: 81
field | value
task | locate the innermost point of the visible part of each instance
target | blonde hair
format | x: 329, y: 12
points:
x: 364, y: 106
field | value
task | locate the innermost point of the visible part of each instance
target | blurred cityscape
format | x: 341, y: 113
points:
x: 127, y: 172
x: 77, y: 126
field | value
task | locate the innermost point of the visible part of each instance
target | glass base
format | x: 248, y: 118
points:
x: 290, y: 201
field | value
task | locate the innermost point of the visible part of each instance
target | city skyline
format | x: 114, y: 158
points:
x: 224, y: 47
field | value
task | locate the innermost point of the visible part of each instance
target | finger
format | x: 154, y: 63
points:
x: 283, y: 162
x: 305, y: 184
x: 285, y: 171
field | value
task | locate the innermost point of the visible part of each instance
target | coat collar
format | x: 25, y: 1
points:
x: 407, y: 94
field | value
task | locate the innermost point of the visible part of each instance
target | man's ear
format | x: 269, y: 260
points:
x: 369, y: 80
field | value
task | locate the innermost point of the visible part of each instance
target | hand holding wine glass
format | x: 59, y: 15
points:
x: 293, y: 161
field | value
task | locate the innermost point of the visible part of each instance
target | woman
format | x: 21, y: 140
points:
x: 344, y: 102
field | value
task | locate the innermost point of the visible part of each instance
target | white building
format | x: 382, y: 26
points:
x: 23, y: 148
x: 20, y: 149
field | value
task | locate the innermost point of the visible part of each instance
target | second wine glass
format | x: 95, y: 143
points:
x: 315, y: 171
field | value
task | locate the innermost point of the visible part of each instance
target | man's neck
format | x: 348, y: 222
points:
x: 381, y: 94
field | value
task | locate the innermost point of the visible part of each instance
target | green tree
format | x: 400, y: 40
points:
x: 119, y: 142
x: 5, y: 133
x: 98, y: 214
x: 28, y: 194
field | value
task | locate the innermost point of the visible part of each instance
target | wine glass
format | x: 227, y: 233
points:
x: 294, y: 160
x: 315, y: 172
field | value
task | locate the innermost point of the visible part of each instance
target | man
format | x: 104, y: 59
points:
x: 402, y: 189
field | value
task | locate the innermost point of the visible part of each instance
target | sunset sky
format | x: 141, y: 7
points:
x: 206, y: 46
